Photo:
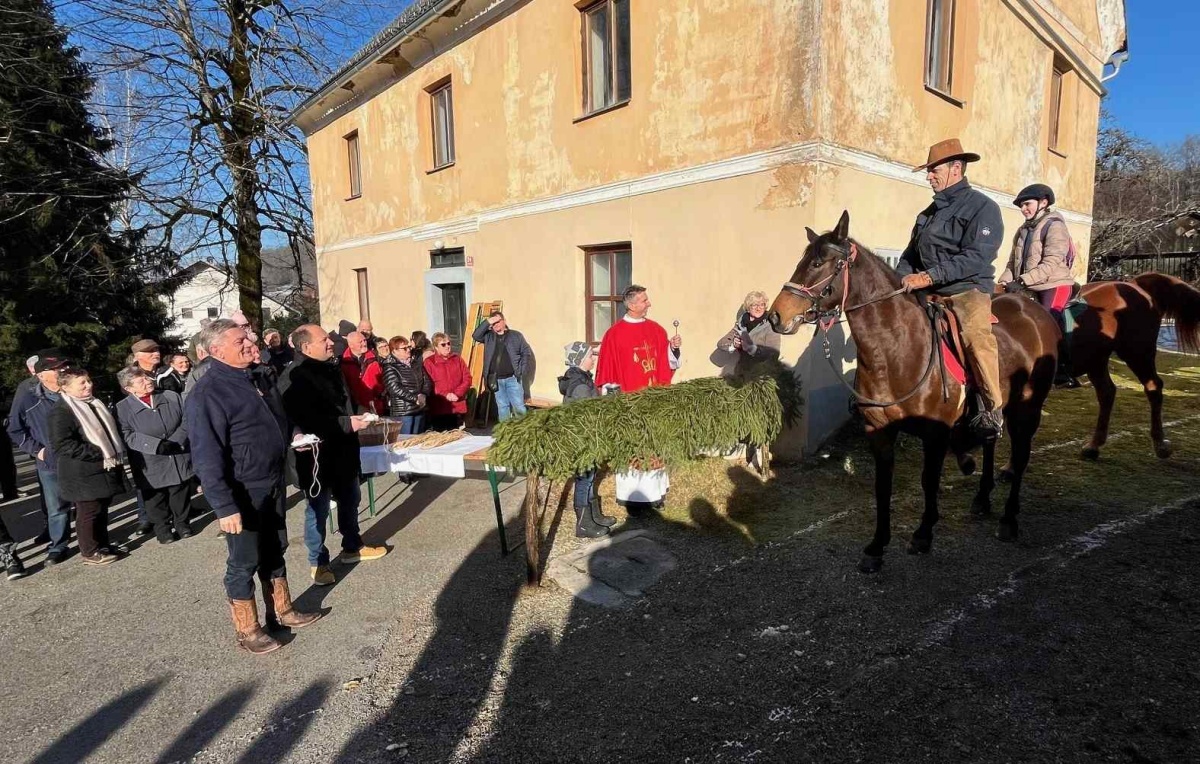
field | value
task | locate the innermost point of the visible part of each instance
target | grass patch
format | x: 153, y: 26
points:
x: 717, y: 496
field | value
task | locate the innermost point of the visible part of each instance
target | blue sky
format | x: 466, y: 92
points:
x: 1153, y: 96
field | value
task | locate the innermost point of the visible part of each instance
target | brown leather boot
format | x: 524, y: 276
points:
x: 250, y: 636
x: 285, y: 614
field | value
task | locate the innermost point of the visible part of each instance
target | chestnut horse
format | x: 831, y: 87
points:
x: 901, y: 387
x: 1124, y: 317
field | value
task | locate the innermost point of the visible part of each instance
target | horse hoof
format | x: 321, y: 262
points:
x: 1090, y: 454
x: 1005, y: 477
x: 1008, y: 532
x: 966, y: 464
x: 1163, y: 449
x: 869, y: 564
x: 920, y: 546
x: 981, y: 507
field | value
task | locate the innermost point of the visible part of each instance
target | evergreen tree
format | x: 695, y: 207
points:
x: 68, y: 277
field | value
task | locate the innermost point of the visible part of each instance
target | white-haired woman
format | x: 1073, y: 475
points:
x: 751, y: 340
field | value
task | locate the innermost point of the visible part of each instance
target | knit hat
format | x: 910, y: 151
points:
x: 576, y: 352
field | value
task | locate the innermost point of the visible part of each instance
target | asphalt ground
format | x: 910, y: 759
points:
x: 1077, y: 643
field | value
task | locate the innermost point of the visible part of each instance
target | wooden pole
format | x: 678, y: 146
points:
x: 533, y: 553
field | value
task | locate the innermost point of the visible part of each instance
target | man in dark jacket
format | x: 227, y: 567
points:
x: 29, y: 428
x: 238, y: 451
x: 317, y: 402
x: 952, y: 253
x: 277, y: 354
x: 506, y: 357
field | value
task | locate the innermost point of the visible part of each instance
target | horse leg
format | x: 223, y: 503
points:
x: 883, y: 446
x: 935, y: 446
x: 1144, y: 369
x: 1021, y: 429
x: 981, y: 505
x: 1106, y: 395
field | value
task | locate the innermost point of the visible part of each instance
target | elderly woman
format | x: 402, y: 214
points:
x: 91, y: 455
x: 152, y: 428
x: 451, y: 381
x: 751, y: 341
x: 408, y: 386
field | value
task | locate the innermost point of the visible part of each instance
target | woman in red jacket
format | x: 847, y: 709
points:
x: 451, y: 380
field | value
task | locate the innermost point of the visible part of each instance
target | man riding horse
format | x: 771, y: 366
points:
x: 951, y: 254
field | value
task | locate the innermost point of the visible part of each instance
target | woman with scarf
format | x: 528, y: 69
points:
x: 91, y: 455
x: 751, y: 340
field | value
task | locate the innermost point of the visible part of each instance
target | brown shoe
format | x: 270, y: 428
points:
x: 364, y: 554
x: 250, y: 635
x: 285, y: 614
x: 98, y: 558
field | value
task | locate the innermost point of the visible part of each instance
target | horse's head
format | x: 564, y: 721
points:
x: 815, y: 287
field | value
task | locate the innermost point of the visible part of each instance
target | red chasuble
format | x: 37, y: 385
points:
x: 634, y: 355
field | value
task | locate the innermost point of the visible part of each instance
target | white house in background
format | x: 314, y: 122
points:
x: 208, y: 291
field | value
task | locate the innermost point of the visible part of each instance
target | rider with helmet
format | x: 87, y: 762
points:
x: 1042, y: 256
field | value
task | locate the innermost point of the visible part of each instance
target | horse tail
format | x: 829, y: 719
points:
x: 1179, y: 300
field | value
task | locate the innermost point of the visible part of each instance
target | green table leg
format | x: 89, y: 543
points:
x: 494, y: 482
x: 371, y: 494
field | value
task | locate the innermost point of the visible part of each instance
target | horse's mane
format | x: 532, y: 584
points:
x: 867, y: 255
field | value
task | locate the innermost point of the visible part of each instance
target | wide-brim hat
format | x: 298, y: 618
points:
x: 944, y: 151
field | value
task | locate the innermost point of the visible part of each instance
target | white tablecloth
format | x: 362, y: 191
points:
x: 635, y: 485
x: 446, y: 461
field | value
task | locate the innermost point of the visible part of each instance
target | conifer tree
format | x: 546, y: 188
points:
x: 69, y: 277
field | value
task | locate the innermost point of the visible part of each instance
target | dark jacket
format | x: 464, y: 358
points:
x: 448, y: 374
x: 172, y: 381
x: 519, y: 351
x: 405, y: 381
x: 576, y: 385
x: 236, y: 435
x: 198, y: 372
x: 278, y: 358
x: 81, y: 473
x: 955, y: 241
x: 29, y: 424
x: 317, y: 402
x: 156, y: 439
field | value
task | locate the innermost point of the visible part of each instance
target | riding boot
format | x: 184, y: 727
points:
x: 270, y: 621
x: 598, y: 516
x: 250, y: 635
x: 585, y: 527
x: 285, y: 613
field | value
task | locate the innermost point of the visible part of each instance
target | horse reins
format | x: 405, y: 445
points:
x: 825, y: 320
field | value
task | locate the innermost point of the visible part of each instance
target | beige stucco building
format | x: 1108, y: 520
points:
x: 545, y: 152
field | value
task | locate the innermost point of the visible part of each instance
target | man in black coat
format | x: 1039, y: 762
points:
x: 238, y: 450
x: 317, y: 402
x: 506, y: 359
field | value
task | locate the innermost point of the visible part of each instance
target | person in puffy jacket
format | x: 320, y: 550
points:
x: 408, y: 386
x: 451, y: 381
x: 577, y: 384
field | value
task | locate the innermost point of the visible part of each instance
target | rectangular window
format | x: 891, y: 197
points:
x: 939, y: 46
x: 213, y: 312
x: 442, y: 107
x: 1056, y: 89
x: 355, y: 169
x: 186, y: 313
x: 606, y: 71
x: 447, y: 258
x: 364, y: 296
x: 609, y: 274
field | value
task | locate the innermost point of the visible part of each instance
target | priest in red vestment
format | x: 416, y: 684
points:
x: 635, y: 352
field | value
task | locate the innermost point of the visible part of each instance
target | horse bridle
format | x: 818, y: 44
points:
x: 825, y: 319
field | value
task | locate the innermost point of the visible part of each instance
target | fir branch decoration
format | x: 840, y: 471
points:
x: 671, y: 424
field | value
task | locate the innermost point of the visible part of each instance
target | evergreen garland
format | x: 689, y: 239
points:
x: 668, y: 424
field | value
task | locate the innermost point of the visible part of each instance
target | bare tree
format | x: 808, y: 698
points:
x: 205, y: 87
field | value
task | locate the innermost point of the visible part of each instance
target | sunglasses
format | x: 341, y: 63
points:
x: 443, y: 344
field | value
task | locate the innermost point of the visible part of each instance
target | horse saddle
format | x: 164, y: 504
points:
x: 953, y: 354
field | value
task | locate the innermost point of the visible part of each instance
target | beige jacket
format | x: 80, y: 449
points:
x: 1046, y: 267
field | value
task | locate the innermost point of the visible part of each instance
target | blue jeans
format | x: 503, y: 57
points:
x: 316, y: 519
x: 260, y: 547
x: 58, y: 512
x: 413, y: 424
x: 510, y: 398
x: 583, y: 488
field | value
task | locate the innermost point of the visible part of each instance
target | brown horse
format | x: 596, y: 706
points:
x: 901, y: 387
x: 1124, y: 317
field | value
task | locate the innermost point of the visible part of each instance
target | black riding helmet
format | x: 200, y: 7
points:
x: 1035, y: 191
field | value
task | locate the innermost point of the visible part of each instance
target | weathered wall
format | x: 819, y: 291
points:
x: 711, y: 79
x: 875, y: 99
